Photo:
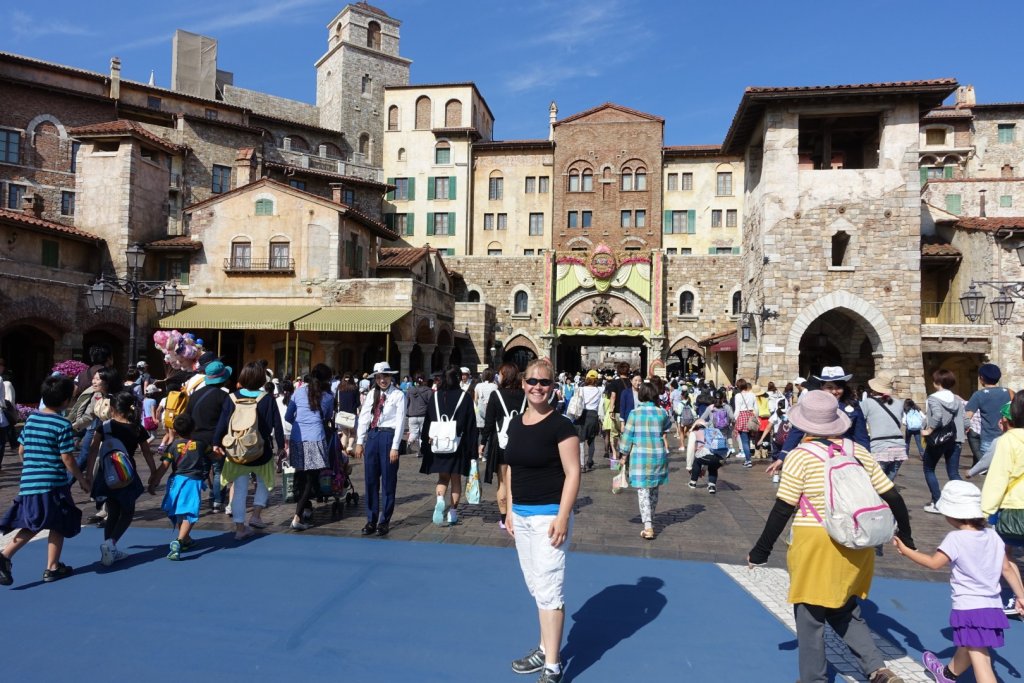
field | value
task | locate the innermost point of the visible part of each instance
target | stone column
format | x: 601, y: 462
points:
x: 330, y: 347
x: 404, y: 349
x: 446, y: 356
x: 549, y: 349
x: 428, y: 355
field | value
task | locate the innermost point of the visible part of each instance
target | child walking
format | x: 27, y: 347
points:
x: 977, y: 558
x: 186, y: 458
x: 44, y: 498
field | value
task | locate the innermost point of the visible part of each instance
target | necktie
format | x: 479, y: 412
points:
x: 377, y: 410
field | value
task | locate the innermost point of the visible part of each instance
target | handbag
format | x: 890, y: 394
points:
x: 1010, y: 525
x: 473, y: 484
x: 344, y: 420
x: 944, y: 433
x: 620, y: 482
x: 443, y: 434
x: 753, y: 423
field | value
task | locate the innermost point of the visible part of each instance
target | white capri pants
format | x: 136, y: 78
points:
x: 240, y: 488
x: 543, y: 565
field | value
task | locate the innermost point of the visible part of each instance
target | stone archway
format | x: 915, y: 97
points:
x: 842, y: 329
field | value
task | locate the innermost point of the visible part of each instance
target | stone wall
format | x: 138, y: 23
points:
x: 271, y: 105
x: 712, y: 280
x: 991, y: 155
x: 970, y: 192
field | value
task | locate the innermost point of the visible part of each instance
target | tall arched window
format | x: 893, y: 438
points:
x: 393, y: 117
x: 574, y: 181
x: 373, y: 35
x: 640, y: 179
x: 453, y: 114
x: 627, y: 178
x: 737, y: 303
x: 587, y: 181
x: 522, y: 303
x: 364, y: 144
x: 423, y: 113
x: 401, y: 153
x: 840, y: 243
x: 686, y: 303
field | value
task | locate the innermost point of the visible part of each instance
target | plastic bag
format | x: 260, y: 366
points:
x: 473, y: 484
x: 620, y: 482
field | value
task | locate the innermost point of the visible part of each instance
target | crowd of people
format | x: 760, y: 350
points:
x: 533, y: 434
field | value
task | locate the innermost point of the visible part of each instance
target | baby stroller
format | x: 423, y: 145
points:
x: 336, y: 482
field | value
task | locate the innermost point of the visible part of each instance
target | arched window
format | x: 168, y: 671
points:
x: 299, y: 143
x: 737, y: 303
x: 280, y: 255
x: 423, y: 113
x: 495, y: 186
x: 640, y: 180
x: 364, y: 144
x: 587, y: 181
x: 686, y: 303
x: 627, y: 178
x: 442, y: 153
x: 330, y: 150
x: 522, y: 303
x: 264, y: 207
x: 574, y: 181
x: 393, y: 117
x: 401, y: 153
x: 241, y: 254
x: 840, y: 242
x: 473, y: 297
x: 453, y: 114
x: 373, y: 35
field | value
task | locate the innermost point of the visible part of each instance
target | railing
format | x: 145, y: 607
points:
x: 948, y: 313
x: 259, y: 265
x: 331, y: 165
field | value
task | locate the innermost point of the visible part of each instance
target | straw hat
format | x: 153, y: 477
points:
x: 818, y: 414
x: 960, y: 500
x: 883, y: 384
x: 757, y: 389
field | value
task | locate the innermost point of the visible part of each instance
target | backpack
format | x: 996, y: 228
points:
x: 764, y: 409
x: 243, y: 443
x: 115, y: 461
x: 575, y: 408
x: 502, y: 434
x: 444, y: 436
x: 175, y: 405
x: 915, y: 420
x: 781, y: 432
x: 685, y: 413
x: 714, y: 439
x: 78, y: 409
x: 855, y: 515
x: 720, y: 418
x: 945, y: 432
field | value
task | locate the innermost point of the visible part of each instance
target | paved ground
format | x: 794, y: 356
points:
x: 385, y: 605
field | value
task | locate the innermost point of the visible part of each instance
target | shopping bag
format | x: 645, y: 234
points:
x: 620, y: 482
x: 473, y: 484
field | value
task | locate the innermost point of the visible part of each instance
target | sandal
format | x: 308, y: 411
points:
x: 648, y: 534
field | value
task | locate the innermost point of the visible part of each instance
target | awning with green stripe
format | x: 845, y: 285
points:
x: 236, y: 317
x: 351, y: 319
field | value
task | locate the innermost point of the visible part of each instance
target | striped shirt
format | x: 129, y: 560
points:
x: 804, y: 473
x: 45, y: 436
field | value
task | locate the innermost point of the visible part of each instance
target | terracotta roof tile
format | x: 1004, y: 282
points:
x: 245, y: 153
x: 401, y: 257
x: 852, y: 86
x: 515, y: 144
x: 610, y: 105
x: 935, y: 247
x: 29, y: 221
x: 179, y: 243
x: 992, y: 223
x: 949, y: 113
x: 123, y: 127
x: 707, y: 341
x: 367, y: 7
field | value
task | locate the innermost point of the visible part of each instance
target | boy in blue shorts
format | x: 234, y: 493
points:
x: 187, y: 458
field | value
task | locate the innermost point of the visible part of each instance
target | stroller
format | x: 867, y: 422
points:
x: 335, y: 481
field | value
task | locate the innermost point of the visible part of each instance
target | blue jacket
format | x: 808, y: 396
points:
x: 626, y: 404
x: 858, y: 431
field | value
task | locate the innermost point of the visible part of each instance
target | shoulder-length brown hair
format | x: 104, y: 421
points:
x: 508, y: 376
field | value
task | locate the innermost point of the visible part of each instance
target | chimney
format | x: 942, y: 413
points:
x: 981, y: 203
x: 552, y: 117
x: 965, y: 96
x: 33, y: 204
x: 245, y: 167
x: 115, y: 78
x: 336, y: 192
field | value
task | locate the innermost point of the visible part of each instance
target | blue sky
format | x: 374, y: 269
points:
x: 685, y: 61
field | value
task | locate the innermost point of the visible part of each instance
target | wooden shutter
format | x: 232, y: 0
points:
x: 947, y: 172
x: 409, y: 221
x: 451, y: 187
x: 924, y: 174
x: 389, y: 221
x: 735, y: 250
x: 430, y: 224
x: 451, y: 219
x: 391, y: 193
x: 691, y: 222
x: 667, y: 223
x: 953, y: 203
x: 430, y: 187
x: 412, y: 189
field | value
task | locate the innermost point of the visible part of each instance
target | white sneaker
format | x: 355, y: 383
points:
x: 453, y: 517
x: 930, y: 507
x: 118, y: 555
x: 106, y: 554
x: 438, y: 516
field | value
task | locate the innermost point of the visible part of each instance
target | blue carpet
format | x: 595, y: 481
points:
x: 285, y: 607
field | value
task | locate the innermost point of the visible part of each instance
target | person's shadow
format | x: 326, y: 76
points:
x: 606, y: 619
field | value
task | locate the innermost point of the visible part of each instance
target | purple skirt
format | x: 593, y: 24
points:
x: 978, y: 627
x: 54, y: 510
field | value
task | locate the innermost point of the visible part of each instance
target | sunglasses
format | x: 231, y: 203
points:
x: 534, y: 381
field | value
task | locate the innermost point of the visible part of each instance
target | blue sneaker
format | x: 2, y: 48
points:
x: 438, y: 517
x: 175, y: 553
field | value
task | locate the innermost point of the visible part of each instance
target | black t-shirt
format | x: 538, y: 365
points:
x: 187, y: 458
x: 205, y: 406
x: 616, y: 386
x: 129, y: 434
x: 532, y: 452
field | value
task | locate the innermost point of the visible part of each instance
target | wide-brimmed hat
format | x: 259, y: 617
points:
x: 757, y: 389
x: 960, y: 500
x: 217, y: 372
x: 883, y: 384
x: 383, y: 368
x: 833, y: 373
x: 818, y: 414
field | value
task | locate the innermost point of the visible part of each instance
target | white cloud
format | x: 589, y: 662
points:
x: 23, y: 25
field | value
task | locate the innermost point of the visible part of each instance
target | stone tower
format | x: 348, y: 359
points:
x: 361, y: 58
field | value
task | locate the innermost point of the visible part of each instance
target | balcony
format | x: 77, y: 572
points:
x: 945, y: 329
x: 331, y: 165
x: 257, y: 266
x: 949, y: 313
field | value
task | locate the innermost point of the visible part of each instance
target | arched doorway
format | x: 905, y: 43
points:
x: 28, y: 351
x: 114, y: 342
x: 838, y: 337
x: 519, y: 350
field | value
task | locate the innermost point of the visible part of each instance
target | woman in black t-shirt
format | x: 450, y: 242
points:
x: 542, y: 480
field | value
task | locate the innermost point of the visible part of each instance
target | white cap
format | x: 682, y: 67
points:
x: 464, y: 371
x: 799, y: 380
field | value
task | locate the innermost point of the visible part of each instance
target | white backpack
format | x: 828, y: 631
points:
x: 243, y: 443
x: 575, y: 407
x: 444, y: 437
x: 855, y: 515
x: 503, y: 424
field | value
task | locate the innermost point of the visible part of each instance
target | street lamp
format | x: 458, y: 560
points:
x: 972, y: 300
x: 166, y: 296
x: 748, y: 321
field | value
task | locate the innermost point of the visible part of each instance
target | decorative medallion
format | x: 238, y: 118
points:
x: 602, y: 313
x: 602, y: 263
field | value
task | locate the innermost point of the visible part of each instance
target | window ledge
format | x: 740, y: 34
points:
x: 842, y: 269
x: 520, y: 316
x: 687, y: 316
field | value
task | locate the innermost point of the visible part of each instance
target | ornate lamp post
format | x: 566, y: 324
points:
x: 166, y: 295
x: 973, y: 300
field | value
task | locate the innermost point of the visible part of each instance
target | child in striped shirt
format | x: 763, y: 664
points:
x: 44, y: 497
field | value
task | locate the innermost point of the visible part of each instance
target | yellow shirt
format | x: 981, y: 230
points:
x: 1007, y: 469
x: 803, y: 473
